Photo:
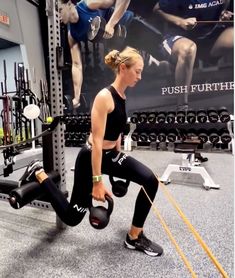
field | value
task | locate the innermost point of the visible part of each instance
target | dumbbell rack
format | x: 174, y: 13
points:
x: 77, y: 129
x: 163, y: 131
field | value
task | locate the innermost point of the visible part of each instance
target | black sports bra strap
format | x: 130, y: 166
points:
x: 112, y: 89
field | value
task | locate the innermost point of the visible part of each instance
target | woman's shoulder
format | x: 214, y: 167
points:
x: 104, y: 99
x: 104, y: 93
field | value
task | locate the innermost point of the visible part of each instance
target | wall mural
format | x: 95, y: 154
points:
x: 187, y: 49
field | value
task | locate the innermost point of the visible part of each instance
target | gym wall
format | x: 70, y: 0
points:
x: 24, y: 29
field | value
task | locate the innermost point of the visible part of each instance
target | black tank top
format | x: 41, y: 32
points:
x: 116, y: 120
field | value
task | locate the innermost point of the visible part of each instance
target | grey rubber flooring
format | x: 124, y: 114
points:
x: 32, y: 246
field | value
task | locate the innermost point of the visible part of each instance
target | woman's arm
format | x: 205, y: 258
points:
x: 100, y: 109
x: 118, y: 144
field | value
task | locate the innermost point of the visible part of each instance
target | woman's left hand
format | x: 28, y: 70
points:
x: 99, y: 191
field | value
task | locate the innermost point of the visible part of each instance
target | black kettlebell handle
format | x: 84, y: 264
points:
x: 110, y: 204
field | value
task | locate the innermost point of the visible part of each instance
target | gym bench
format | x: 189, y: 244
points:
x: 189, y: 166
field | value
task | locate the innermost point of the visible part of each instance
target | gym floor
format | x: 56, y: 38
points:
x: 32, y: 246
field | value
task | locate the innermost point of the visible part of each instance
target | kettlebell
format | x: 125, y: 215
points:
x: 99, y: 215
x: 119, y: 187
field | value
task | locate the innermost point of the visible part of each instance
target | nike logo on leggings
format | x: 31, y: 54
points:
x: 80, y: 209
x: 116, y: 158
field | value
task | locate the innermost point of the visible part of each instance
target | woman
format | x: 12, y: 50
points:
x: 102, y: 155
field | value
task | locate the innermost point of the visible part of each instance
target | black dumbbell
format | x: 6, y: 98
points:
x: 152, y: 117
x: 170, y: 117
x: 135, y: 136
x: 143, y: 137
x: 224, y: 114
x: 172, y: 135
x: 213, y: 136
x: 181, y: 133
x: 181, y: 116
x: 152, y: 137
x: 99, y: 216
x: 135, y: 118
x: 83, y: 137
x: 161, y: 117
x: 202, y: 135
x: 201, y: 116
x: 191, y: 116
x: 119, y: 187
x: 191, y: 133
x: 225, y: 137
x: 213, y: 116
x: 143, y: 116
x: 162, y: 136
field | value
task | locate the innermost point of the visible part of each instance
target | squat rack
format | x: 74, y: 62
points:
x: 56, y: 98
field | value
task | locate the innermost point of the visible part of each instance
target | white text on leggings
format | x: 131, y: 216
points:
x: 121, y: 159
x: 80, y: 209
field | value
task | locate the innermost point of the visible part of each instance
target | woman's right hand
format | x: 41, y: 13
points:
x: 99, y: 191
x: 188, y: 23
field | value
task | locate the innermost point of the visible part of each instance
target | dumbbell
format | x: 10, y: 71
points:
x: 181, y: 134
x: 172, y: 135
x: 143, y: 116
x: 224, y: 114
x: 143, y: 137
x: 152, y: 137
x: 119, y: 187
x: 213, y: 136
x: 135, y: 118
x: 82, y: 137
x: 68, y: 103
x: 99, y: 215
x: 170, y: 117
x: 161, y: 117
x: 191, y: 116
x: 201, y: 116
x: 213, y: 116
x: 181, y: 116
x: 135, y: 136
x: 162, y: 136
x: 225, y: 137
x: 191, y: 133
x: 97, y: 30
x: 202, y: 135
x: 73, y: 121
x: 152, y: 117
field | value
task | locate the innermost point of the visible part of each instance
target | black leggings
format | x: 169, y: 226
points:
x: 114, y: 163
